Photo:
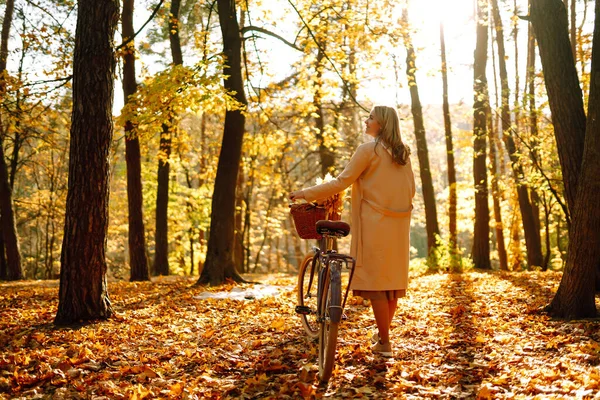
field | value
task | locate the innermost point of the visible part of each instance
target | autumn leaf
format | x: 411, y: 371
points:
x: 455, y: 335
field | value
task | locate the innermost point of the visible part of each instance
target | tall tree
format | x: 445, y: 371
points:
x: 325, y: 153
x: 452, y: 200
x: 7, y: 216
x: 532, y: 238
x: 219, y: 264
x: 498, y: 226
x: 573, y: 27
x: 138, y: 260
x: 83, y: 293
x: 549, y: 21
x: 431, y: 221
x: 496, y: 161
x: 161, y: 242
x: 481, y: 239
x: 532, y: 119
x: 575, y: 297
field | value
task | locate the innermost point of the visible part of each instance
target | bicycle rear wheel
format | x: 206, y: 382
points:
x: 308, y: 298
x: 328, y: 329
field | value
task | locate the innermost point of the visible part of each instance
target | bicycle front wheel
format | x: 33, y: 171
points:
x: 307, y: 296
x: 328, y: 330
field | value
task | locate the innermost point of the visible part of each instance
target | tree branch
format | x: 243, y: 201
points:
x: 267, y: 32
x: 537, y: 165
x: 66, y: 79
x: 130, y: 39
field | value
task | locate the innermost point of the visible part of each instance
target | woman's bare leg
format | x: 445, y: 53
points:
x: 381, y: 310
x: 392, y: 304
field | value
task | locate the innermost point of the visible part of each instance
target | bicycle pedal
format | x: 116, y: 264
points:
x: 304, y: 310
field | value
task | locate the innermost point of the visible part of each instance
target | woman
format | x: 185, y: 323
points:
x: 383, y: 186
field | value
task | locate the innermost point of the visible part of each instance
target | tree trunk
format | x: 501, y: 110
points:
x: 83, y: 291
x: 481, y: 239
x: 14, y: 159
x: 547, y: 211
x: 191, y: 241
x: 238, y: 255
x: 498, y: 226
x: 326, y: 155
x: 532, y: 238
x: 7, y: 219
x: 161, y: 242
x: 549, y: 21
x: 452, y: 198
x: 3, y: 265
x: 517, y: 261
x: 174, y: 32
x: 575, y: 297
x: 138, y: 262
x: 573, y: 16
x: 201, y: 242
x: 161, y: 238
x: 431, y: 221
x: 7, y: 216
x: 559, y: 246
x: 219, y: 264
x: 533, y: 129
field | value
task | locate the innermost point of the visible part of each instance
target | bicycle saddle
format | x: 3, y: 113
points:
x: 336, y: 227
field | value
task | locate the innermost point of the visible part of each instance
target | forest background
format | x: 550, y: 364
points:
x: 311, y: 73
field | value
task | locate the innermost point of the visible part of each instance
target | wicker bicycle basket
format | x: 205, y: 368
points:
x: 306, y: 216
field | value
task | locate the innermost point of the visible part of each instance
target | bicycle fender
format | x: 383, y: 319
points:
x: 335, y: 296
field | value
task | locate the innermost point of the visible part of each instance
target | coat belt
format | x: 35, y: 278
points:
x: 387, y: 212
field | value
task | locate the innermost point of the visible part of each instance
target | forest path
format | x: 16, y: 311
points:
x: 470, y: 335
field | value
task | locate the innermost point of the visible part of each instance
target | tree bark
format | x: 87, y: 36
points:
x: 219, y: 264
x: 138, y: 261
x: 161, y: 238
x: 517, y: 260
x: 3, y: 265
x: 549, y: 21
x: 238, y: 255
x: 83, y: 293
x: 431, y: 221
x: 161, y: 242
x: 481, y: 239
x: 573, y: 16
x: 575, y: 297
x: 498, y: 226
x: 452, y: 197
x: 547, y: 211
x: 532, y: 237
x: 7, y: 217
x: 533, y: 130
x: 326, y: 155
x: 174, y: 38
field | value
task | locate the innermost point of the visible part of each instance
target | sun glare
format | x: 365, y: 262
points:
x: 448, y: 12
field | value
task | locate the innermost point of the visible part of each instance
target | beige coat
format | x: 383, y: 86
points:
x: 382, y: 194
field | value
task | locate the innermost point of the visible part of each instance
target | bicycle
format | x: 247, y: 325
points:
x: 322, y: 312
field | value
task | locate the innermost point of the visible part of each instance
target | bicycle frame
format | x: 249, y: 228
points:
x: 325, y: 258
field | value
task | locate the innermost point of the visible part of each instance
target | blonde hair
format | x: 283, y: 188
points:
x: 390, y: 135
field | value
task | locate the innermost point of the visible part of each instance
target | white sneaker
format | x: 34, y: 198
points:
x: 384, y: 350
x: 375, y: 338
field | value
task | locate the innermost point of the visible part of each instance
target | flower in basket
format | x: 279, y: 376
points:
x: 333, y: 204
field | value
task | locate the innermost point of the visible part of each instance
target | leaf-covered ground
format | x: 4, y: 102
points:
x: 471, y: 335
